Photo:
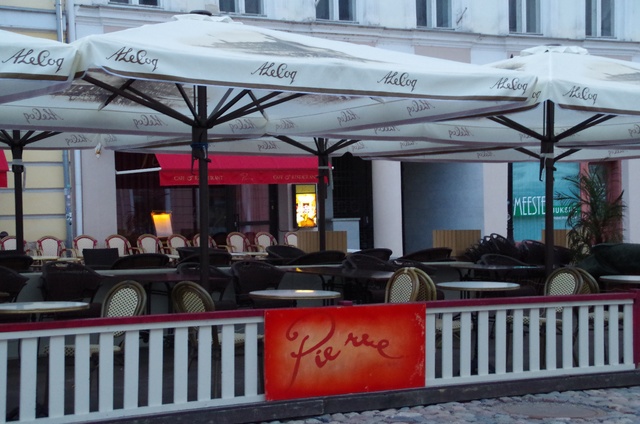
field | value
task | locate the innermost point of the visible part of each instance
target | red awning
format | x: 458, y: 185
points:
x: 232, y: 170
x: 4, y: 168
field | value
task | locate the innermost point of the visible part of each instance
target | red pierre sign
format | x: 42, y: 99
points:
x: 312, y: 352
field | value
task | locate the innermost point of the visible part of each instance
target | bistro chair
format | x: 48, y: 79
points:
x: 11, y: 282
x: 378, y: 252
x: 217, y: 257
x: 121, y: 243
x: 561, y: 282
x: 531, y: 280
x: 291, y: 238
x: 141, y: 260
x: 319, y: 258
x: 195, y: 241
x: 51, y: 246
x: 20, y: 263
x: 82, y: 242
x: 239, y: 242
x: 10, y: 243
x: 219, y: 286
x: 175, y: 241
x: 148, y: 243
x: 364, y: 291
x: 402, y: 287
x: 124, y: 299
x: 433, y: 254
x: 101, y: 258
x: 428, y: 291
x: 264, y: 239
x: 71, y: 281
x: 189, y: 297
x: 281, y: 253
x: 251, y: 275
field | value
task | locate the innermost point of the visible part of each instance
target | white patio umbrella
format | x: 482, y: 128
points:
x: 583, y: 101
x: 30, y: 66
x: 208, y: 73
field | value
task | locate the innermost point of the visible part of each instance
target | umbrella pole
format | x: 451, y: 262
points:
x: 323, y: 166
x: 18, y: 171
x: 549, y: 162
x: 199, y: 152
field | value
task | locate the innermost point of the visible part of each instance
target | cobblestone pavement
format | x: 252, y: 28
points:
x: 606, y: 406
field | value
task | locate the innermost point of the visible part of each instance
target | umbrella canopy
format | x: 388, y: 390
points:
x: 583, y: 102
x: 202, y: 76
x: 31, y: 66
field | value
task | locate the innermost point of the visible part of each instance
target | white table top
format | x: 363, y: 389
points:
x: 295, y: 294
x: 623, y: 279
x: 478, y: 285
x: 40, y: 307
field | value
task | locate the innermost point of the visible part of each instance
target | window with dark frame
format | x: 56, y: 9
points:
x: 433, y: 13
x: 335, y: 10
x: 599, y: 18
x: 524, y: 16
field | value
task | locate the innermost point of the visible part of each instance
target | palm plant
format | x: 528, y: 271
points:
x: 594, y: 216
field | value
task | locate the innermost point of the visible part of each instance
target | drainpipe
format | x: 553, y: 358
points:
x: 77, y: 155
x: 68, y: 212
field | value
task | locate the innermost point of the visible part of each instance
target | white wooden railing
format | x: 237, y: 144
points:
x: 506, y: 351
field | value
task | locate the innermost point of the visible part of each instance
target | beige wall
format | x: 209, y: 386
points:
x: 43, y: 196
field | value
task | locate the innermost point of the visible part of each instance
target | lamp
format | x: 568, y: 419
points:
x: 162, y: 223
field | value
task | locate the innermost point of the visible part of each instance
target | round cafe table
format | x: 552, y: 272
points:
x: 295, y: 294
x: 612, y: 281
x: 467, y: 287
x: 43, y: 307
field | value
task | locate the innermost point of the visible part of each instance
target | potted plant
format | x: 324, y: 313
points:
x: 594, y: 215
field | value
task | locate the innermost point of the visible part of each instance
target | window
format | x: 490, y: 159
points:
x: 246, y: 7
x: 433, y: 13
x: 138, y: 2
x: 599, y: 18
x: 335, y: 10
x: 524, y: 16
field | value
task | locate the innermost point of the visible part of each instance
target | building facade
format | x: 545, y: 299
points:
x: 409, y: 200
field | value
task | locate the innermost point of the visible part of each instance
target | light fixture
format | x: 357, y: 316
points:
x: 162, y: 223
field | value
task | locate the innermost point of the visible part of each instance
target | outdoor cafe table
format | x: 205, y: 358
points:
x: 361, y: 276
x: 45, y: 307
x: 620, y: 280
x: 467, y: 287
x: 498, y: 272
x: 278, y: 294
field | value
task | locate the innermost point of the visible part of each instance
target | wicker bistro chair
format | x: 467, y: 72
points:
x: 124, y: 299
x: 219, y: 286
x: 402, y: 287
x: 561, y: 282
x: 190, y: 297
x: 428, y: 291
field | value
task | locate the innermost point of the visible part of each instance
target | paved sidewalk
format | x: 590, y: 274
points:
x: 610, y: 406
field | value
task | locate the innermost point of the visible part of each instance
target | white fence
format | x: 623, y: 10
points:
x: 493, y: 343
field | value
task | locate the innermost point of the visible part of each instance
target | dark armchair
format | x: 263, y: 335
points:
x: 257, y: 275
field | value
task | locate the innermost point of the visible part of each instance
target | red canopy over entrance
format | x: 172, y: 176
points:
x: 4, y: 168
x: 176, y: 170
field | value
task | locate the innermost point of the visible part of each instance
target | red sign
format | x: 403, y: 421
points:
x: 325, y: 351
